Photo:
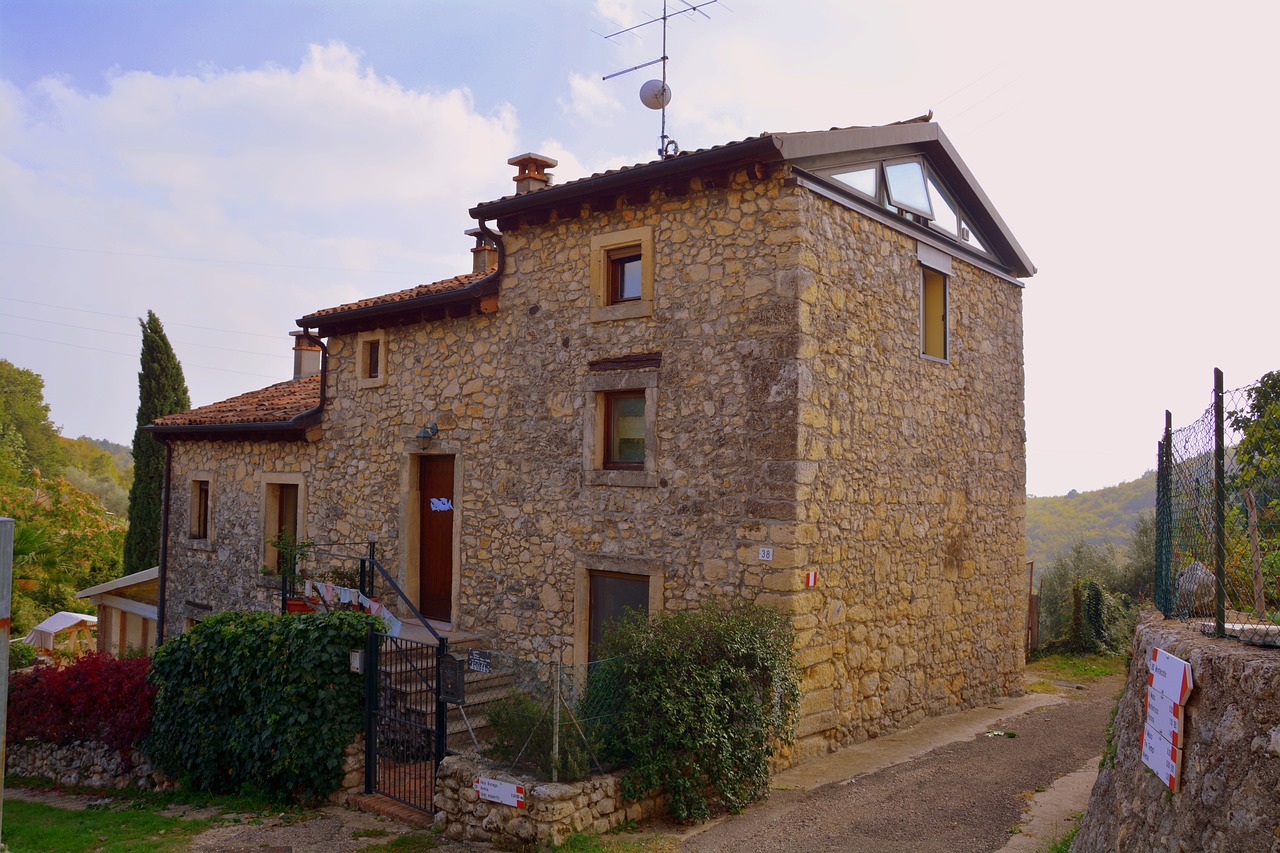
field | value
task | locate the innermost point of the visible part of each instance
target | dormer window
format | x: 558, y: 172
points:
x: 908, y: 188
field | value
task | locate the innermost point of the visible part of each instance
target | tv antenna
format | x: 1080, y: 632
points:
x: 656, y: 94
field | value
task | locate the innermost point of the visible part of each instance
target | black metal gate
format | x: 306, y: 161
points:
x: 405, y: 719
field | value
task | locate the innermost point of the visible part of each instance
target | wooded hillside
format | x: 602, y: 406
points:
x: 1101, y: 517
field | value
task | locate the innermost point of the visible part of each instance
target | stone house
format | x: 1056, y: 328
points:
x: 786, y: 369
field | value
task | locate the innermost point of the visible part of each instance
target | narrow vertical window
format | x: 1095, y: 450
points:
x: 199, y: 509
x: 281, y: 522
x: 624, y: 430
x: 933, y: 314
x: 372, y: 370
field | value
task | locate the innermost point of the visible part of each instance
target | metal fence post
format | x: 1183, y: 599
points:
x: 370, y: 710
x: 1219, y: 508
x: 442, y: 709
x: 6, y: 590
x: 556, y: 675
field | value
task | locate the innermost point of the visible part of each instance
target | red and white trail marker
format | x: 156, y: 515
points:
x: 1163, y: 759
x: 1167, y: 717
x: 810, y: 578
x: 1170, y: 675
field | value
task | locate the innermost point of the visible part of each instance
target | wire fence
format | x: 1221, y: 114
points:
x: 551, y: 721
x: 1218, y: 515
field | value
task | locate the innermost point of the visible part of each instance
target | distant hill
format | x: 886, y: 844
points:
x: 1099, y: 517
x: 122, y: 455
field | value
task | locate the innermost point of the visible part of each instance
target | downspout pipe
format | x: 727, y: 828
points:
x: 161, y: 610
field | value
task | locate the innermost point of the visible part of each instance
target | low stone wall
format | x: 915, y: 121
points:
x: 1229, y: 794
x: 352, y: 773
x: 88, y: 763
x: 552, y: 810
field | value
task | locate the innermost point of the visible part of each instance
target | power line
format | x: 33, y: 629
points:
x: 131, y: 317
x: 135, y: 355
x: 196, y: 260
x: 135, y: 336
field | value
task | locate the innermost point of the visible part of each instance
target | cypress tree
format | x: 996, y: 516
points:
x: 162, y: 390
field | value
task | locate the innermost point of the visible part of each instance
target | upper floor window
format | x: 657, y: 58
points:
x: 199, y: 509
x: 933, y: 314
x: 622, y: 274
x: 624, y: 430
x: 371, y: 359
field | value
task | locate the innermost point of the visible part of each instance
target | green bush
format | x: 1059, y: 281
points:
x: 705, y: 697
x: 522, y: 729
x: 259, y: 702
x: 21, y: 655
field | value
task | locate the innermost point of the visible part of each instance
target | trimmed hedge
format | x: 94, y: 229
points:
x: 259, y: 703
x: 96, y: 697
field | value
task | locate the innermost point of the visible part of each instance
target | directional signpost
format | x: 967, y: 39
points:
x: 1169, y: 685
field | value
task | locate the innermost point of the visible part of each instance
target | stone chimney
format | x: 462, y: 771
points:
x: 306, y: 356
x: 533, y: 172
x: 484, y: 256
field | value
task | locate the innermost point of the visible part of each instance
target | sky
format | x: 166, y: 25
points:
x: 235, y: 165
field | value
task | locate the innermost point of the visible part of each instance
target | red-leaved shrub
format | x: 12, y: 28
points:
x: 94, y: 698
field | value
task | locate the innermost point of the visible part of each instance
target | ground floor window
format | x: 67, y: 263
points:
x: 612, y: 595
x: 281, y: 521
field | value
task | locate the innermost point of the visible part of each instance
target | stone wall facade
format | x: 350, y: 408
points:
x: 791, y: 410
x: 88, y: 763
x: 1229, y: 794
x: 552, y: 811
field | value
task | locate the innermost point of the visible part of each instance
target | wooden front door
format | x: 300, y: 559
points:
x: 435, y: 560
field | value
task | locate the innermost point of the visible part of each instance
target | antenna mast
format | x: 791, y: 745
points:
x: 656, y: 94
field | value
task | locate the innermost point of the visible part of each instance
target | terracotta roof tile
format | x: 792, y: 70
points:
x: 274, y: 404
x: 458, y: 282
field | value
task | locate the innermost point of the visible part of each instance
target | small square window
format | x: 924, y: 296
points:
x: 199, y: 509
x: 622, y: 275
x: 624, y: 426
x: 625, y: 281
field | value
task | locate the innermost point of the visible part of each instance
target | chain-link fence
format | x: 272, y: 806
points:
x: 1218, y: 515
x: 551, y: 721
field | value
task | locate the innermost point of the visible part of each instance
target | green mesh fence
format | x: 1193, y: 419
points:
x: 547, y: 720
x: 1218, y: 516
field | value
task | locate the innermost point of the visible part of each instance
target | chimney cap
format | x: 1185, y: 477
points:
x: 539, y: 159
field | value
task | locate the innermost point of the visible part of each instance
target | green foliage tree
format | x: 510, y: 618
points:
x: 90, y: 457
x: 705, y: 697
x: 64, y: 541
x: 24, y: 411
x: 1257, y: 456
x: 162, y: 390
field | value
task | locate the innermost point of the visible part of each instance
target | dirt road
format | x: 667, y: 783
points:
x: 962, y: 797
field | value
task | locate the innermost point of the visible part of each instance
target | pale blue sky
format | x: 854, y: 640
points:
x: 236, y: 165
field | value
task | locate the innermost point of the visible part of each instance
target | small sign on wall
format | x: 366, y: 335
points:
x: 1164, y: 759
x: 1166, y: 716
x: 497, y: 791
x: 810, y: 579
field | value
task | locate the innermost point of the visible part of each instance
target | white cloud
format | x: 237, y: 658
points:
x: 232, y: 200
x: 589, y: 98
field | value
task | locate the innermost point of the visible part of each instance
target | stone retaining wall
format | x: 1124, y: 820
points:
x: 1229, y: 796
x: 88, y: 763
x: 552, y: 810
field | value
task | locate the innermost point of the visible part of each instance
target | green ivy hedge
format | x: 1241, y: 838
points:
x: 705, y: 698
x: 259, y: 703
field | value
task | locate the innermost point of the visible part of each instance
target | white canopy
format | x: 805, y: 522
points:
x: 42, y: 635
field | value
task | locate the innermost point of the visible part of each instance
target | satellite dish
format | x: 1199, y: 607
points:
x: 655, y: 94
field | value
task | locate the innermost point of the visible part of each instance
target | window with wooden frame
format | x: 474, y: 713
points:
x: 613, y: 595
x: 200, y: 509
x: 622, y: 266
x: 282, y: 518
x: 624, y: 430
x: 933, y: 315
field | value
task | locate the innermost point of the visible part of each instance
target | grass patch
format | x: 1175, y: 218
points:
x: 416, y: 842
x: 245, y: 804
x: 1063, y: 844
x: 612, y: 843
x: 37, y: 828
x: 1082, y: 669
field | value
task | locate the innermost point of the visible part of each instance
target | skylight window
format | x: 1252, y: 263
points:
x: 906, y: 186
x: 862, y: 180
